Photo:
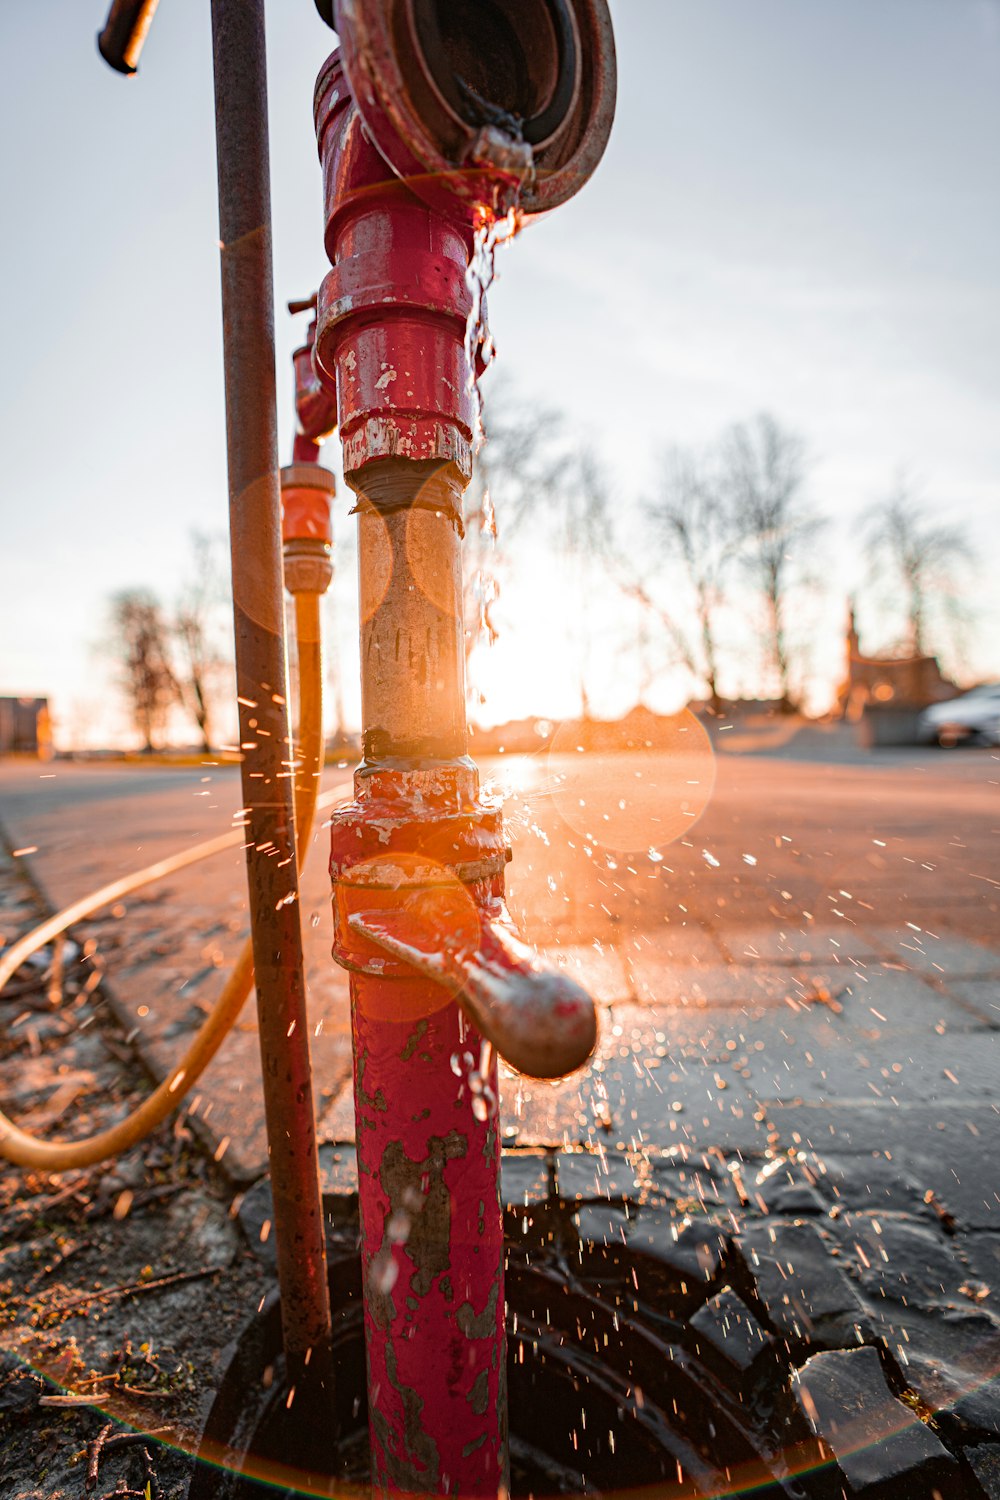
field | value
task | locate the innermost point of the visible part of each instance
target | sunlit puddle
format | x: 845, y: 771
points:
x: 609, y: 1391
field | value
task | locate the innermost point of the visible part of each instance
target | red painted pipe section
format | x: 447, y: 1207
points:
x: 392, y: 313
x: 427, y: 1136
x: 427, y: 1139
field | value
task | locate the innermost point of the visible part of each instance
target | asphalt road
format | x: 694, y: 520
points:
x: 600, y: 846
x: 659, y: 881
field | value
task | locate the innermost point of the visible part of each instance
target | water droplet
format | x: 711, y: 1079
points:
x: 384, y: 1272
x: 398, y: 1227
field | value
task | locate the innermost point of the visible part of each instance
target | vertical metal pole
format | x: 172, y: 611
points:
x: 255, y: 531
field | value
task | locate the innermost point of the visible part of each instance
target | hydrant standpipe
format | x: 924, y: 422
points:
x: 439, y: 982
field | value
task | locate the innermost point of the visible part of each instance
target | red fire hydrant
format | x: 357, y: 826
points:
x: 428, y: 130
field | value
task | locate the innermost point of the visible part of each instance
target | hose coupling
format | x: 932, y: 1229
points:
x: 307, y: 534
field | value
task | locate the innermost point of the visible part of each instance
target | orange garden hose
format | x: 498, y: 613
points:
x: 27, y: 1150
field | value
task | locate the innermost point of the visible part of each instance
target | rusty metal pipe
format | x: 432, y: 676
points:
x: 412, y: 642
x: 254, y: 501
x: 121, y: 41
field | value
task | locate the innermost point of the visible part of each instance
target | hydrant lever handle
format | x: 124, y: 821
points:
x: 540, y: 1021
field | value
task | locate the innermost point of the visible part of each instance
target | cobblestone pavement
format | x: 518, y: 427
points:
x: 794, y: 1096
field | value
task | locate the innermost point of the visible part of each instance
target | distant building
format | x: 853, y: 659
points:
x: 25, y: 727
x: 907, y: 682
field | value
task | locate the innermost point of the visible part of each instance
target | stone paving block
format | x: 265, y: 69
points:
x: 801, y: 1286
x: 584, y: 1175
x: 945, y: 1356
x: 693, y: 1178
x: 703, y: 1033
x: 603, y: 1225
x: 808, y: 946
x: 938, y: 1148
x: 861, y: 1046
x: 630, y: 1097
x: 227, y: 1104
x: 881, y: 1446
x: 168, y: 957
x: 688, y: 1180
x: 336, y: 1121
x: 727, y: 1329
x: 694, y: 1248
x: 976, y: 1414
x: 827, y: 1065
x: 600, y: 970
x: 981, y: 996
x: 828, y: 1059
x: 691, y: 1249
x: 981, y: 1252
x: 938, y: 954
x: 863, y: 1180
x: 786, y: 1187
x: 650, y: 1253
x: 727, y: 985
x: 984, y: 1461
x: 686, y: 945
x: 228, y: 1092
x: 525, y: 1178
x: 883, y: 1002
x: 898, y: 1258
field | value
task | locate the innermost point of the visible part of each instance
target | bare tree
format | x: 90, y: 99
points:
x: 694, y: 523
x: 764, y: 468
x: 909, y: 553
x: 141, y: 646
x: 196, y: 630
x: 586, y: 536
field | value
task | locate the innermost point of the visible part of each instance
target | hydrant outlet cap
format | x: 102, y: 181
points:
x: 434, y: 80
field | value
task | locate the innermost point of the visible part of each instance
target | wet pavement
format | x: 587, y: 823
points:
x: 796, y: 1089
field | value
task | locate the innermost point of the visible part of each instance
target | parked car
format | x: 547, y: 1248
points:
x: 976, y: 715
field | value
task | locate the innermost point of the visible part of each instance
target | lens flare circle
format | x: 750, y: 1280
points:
x: 633, y: 795
x: 434, y: 566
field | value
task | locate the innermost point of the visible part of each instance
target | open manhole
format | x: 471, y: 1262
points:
x: 628, y: 1369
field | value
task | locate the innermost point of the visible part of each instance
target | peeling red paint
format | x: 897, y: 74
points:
x: 432, y: 1264
x: 431, y: 1219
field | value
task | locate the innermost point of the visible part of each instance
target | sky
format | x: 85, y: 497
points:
x: 798, y: 211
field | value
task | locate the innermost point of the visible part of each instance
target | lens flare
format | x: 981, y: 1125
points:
x: 633, y: 796
x: 375, y: 562
x: 436, y: 568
